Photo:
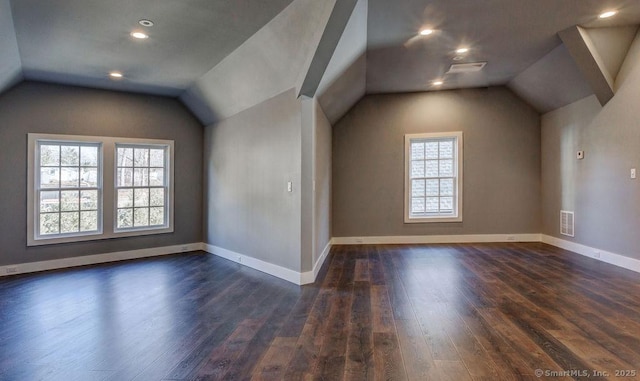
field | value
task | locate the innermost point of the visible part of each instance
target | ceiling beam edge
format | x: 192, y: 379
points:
x: 336, y: 24
x: 589, y: 61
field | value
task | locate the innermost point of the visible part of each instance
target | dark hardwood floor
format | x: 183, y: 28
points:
x: 436, y: 312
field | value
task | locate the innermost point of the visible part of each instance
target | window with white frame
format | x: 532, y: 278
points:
x: 68, y: 188
x: 433, y: 177
x: 141, y: 186
x: 84, y: 188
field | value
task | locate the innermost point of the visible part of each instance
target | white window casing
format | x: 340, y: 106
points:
x: 433, y: 177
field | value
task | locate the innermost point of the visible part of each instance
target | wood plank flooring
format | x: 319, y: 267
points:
x: 420, y: 312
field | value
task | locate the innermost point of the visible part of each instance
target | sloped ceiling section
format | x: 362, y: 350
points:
x: 345, y: 81
x: 79, y: 42
x: 553, y: 82
x: 586, y: 63
x: 10, y: 65
x: 270, y: 62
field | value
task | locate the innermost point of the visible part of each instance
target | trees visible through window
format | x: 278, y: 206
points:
x: 84, y: 188
x: 68, y: 188
x: 141, y: 186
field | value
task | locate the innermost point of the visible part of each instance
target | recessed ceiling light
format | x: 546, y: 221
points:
x: 145, y: 22
x: 426, y: 32
x: 115, y: 75
x: 462, y: 50
x: 437, y: 83
x: 139, y: 35
x: 458, y: 58
x: 608, y: 14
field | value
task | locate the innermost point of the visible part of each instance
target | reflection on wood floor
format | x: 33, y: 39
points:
x: 421, y: 312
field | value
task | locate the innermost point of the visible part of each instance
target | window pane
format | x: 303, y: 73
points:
x: 70, y: 156
x: 446, y: 187
x: 49, y: 155
x: 432, y: 168
x: 156, y: 197
x: 125, y: 157
x: 156, y: 177
x: 49, y: 177
x: 69, y: 177
x: 89, y: 156
x: 141, y: 177
x: 125, y: 218
x: 89, y: 178
x: 446, y: 204
x: 446, y: 168
x: 89, y: 200
x: 417, y: 169
x: 156, y: 216
x: 49, y: 223
x: 432, y: 150
x: 70, y: 200
x: 88, y: 221
x: 417, y: 188
x: 156, y: 158
x: 432, y: 188
x: 141, y: 217
x: 417, y: 205
x: 141, y: 197
x: 417, y: 151
x: 69, y: 222
x: 125, y: 177
x: 432, y: 204
x: 50, y: 201
x: 140, y: 157
x: 125, y: 198
x: 446, y: 150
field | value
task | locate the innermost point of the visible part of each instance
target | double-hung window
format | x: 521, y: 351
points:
x: 68, y: 188
x: 142, y: 186
x: 84, y: 188
x: 433, y: 177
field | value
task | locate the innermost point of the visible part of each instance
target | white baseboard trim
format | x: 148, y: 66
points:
x: 421, y: 239
x: 310, y: 276
x: 32, y: 267
x: 591, y: 252
x: 256, y: 264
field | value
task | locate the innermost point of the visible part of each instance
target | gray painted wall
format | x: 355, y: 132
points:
x: 501, y: 162
x: 598, y: 188
x: 10, y: 65
x: 43, y: 108
x: 249, y: 158
x: 322, y: 174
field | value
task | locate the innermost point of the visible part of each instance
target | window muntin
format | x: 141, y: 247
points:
x: 68, y: 188
x: 142, y: 186
x: 433, y: 176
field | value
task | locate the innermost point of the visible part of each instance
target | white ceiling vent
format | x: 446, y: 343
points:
x: 466, y: 67
x: 566, y: 223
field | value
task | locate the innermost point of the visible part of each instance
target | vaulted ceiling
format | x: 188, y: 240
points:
x: 80, y: 41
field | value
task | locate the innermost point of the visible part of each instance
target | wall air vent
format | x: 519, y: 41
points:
x: 566, y: 223
x: 466, y: 67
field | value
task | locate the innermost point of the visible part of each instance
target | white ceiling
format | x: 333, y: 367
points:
x: 80, y: 41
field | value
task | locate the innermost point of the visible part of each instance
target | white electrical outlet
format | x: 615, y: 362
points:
x: 289, y: 187
x: 633, y: 173
x: 12, y: 269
